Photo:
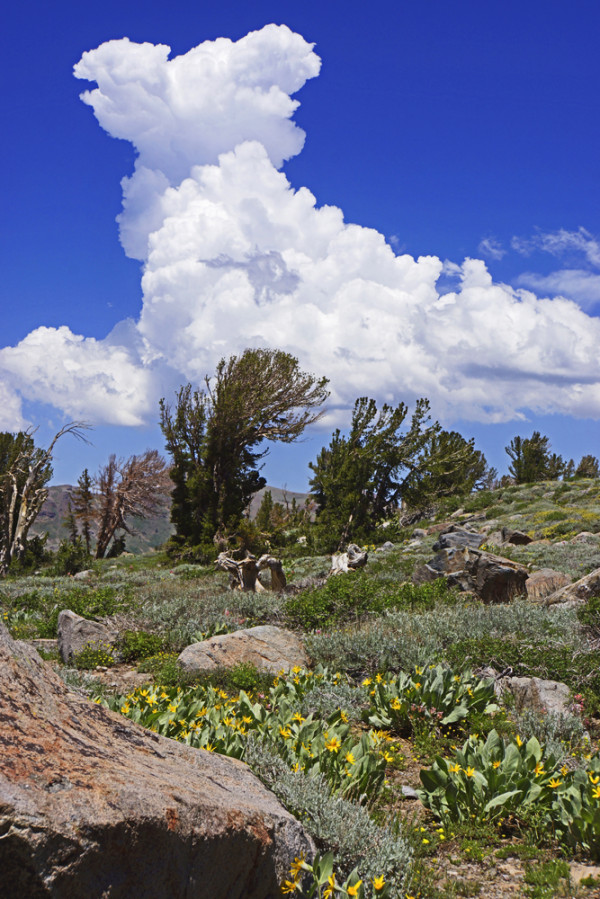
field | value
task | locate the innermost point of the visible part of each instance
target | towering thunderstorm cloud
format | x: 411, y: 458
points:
x: 234, y: 257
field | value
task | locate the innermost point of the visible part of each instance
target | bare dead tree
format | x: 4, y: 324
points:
x: 24, y: 473
x: 137, y: 487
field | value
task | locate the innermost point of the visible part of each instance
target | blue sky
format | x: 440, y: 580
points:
x: 464, y: 131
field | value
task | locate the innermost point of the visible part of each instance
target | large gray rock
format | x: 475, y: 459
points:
x: 267, y: 647
x: 75, y: 633
x: 585, y: 588
x: 459, y: 538
x: 92, y: 805
x: 540, y: 696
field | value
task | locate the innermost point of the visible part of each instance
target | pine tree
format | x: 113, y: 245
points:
x: 215, y: 436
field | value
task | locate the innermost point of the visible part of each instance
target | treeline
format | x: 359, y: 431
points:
x: 363, y: 484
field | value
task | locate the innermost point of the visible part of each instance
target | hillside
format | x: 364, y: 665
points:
x: 489, y: 708
x: 149, y: 533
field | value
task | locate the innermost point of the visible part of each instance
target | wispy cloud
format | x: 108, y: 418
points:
x: 490, y: 248
x: 561, y: 243
x: 233, y: 256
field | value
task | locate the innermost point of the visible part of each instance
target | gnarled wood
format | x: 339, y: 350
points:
x: 278, y: 578
x: 353, y: 559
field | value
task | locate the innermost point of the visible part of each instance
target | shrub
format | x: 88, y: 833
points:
x: 95, y: 654
x: 335, y: 823
x: 348, y: 597
x: 136, y: 645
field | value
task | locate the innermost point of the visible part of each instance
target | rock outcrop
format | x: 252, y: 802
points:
x: 459, y: 538
x: 580, y: 591
x: 544, y: 582
x: 75, y: 633
x: 492, y: 578
x: 266, y: 647
x: 92, y: 805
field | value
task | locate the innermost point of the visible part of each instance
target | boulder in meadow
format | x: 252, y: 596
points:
x: 92, y: 805
x: 266, y: 647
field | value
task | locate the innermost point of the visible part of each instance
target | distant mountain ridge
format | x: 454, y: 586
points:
x: 149, y: 533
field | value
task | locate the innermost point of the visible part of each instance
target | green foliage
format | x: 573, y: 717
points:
x: 136, y: 645
x: 490, y: 780
x: 207, y: 717
x: 432, y: 695
x: 580, y: 672
x: 214, y: 435
x: 71, y: 557
x: 336, y: 824
x: 589, y: 467
x: 532, y: 460
x: 356, y: 479
x: 35, y: 613
x: 349, y: 597
x: 94, y: 654
x: 545, y: 878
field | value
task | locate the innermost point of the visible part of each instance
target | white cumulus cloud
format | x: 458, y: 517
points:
x: 233, y: 257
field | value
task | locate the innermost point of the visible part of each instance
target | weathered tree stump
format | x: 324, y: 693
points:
x: 278, y: 578
x: 243, y: 574
x: 353, y: 559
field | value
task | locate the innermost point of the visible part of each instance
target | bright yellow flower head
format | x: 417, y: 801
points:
x: 539, y: 768
x: 333, y: 745
x: 353, y: 891
x: 378, y: 884
x: 495, y: 764
x: 519, y: 740
x: 596, y: 792
x: 555, y: 782
x: 470, y: 772
x: 350, y: 758
x: 454, y: 769
x: 296, y: 865
x: 593, y: 778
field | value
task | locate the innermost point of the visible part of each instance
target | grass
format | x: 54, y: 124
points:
x: 361, y: 624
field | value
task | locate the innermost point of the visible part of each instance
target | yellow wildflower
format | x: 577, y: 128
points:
x: 353, y: 891
x: 470, y: 772
x: 554, y: 783
x: 495, y: 764
x: 378, y: 884
x: 454, y: 769
x: 350, y: 758
x: 593, y: 780
x: 539, y: 768
x: 343, y: 717
x: 296, y: 865
x: 367, y: 681
x: 519, y: 741
x: 331, y: 884
x: 596, y: 792
x: 333, y: 745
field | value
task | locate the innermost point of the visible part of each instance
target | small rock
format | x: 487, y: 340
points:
x: 84, y: 575
x: 419, y: 533
x: 458, y: 513
x: 75, y: 633
x: 408, y: 792
x: 516, y: 538
x: 539, y: 695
